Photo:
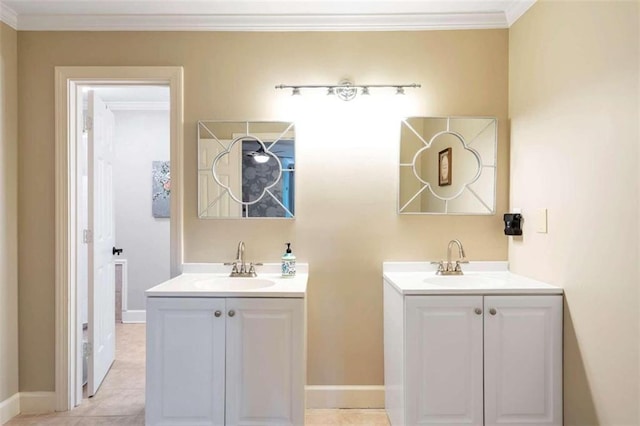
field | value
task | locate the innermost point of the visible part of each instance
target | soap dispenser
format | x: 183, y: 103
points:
x: 288, y: 263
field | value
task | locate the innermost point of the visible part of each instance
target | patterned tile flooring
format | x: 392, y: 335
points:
x: 120, y: 399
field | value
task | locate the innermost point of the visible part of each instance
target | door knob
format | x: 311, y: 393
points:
x: 492, y: 311
x: 478, y: 311
x: 217, y: 314
x: 232, y: 313
x: 116, y: 251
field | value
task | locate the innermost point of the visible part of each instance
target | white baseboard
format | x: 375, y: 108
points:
x: 9, y: 408
x: 37, y: 402
x: 345, y: 396
x: 134, y: 317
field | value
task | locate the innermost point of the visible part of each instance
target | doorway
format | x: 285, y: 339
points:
x: 133, y: 123
x: 69, y: 84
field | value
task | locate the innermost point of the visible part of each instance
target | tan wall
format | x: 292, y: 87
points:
x: 347, y: 167
x: 8, y: 212
x: 573, y: 88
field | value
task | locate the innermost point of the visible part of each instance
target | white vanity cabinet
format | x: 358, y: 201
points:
x: 225, y: 361
x: 480, y: 358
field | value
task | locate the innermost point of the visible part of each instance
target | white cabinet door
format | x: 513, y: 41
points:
x: 523, y: 360
x: 265, y: 362
x: 185, y: 361
x: 444, y: 360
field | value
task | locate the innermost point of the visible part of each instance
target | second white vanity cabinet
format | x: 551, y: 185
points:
x: 465, y: 356
x: 225, y: 361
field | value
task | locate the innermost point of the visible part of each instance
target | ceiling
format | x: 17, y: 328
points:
x: 260, y: 15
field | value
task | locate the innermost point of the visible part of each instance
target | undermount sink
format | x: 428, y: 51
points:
x: 474, y: 280
x: 233, y: 284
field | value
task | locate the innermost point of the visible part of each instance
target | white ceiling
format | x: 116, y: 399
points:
x: 260, y: 15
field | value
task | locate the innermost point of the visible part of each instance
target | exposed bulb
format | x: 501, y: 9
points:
x: 261, y: 158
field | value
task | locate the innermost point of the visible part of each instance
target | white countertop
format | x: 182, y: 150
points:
x: 188, y: 284
x: 419, y: 278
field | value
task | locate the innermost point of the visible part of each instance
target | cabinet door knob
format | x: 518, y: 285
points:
x: 217, y: 314
x: 232, y: 313
x: 492, y: 311
x: 478, y: 311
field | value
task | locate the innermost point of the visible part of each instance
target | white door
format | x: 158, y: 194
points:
x: 444, y: 360
x: 102, y: 332
x: 523, y: 360
x: 213, y: 199
x: 265, y: 362
x: 185, y: 361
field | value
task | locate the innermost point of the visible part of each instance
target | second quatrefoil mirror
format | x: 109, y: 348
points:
x: 448, y: 165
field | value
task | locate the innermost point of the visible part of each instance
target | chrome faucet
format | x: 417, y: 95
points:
x: 451, y: 268
x: 240, y: 257
x: 239, y: 268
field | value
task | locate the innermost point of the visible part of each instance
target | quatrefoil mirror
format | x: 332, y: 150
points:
x: 246, y: 169
x: 448, y: 165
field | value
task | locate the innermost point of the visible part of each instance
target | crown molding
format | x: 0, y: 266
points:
x: 273, y: 22
x: 516, y: 10
x: 138, y: 106
x: 8, y: 16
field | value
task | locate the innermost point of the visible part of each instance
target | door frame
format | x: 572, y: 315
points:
x: 67, y: 80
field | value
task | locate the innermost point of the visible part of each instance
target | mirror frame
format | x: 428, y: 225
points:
x: 491, y: 210
x: 288, y: 126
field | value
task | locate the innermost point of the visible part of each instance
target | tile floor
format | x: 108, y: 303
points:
x: 120, y: 399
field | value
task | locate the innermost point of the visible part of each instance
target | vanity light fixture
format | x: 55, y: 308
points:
x: 346, y: 90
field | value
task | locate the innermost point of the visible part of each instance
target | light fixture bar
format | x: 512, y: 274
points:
x: 346, y: 90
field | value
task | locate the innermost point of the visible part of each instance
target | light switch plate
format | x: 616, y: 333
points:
x: 541, y: 221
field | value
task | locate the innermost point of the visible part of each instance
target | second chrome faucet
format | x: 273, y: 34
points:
x: 451, y: 268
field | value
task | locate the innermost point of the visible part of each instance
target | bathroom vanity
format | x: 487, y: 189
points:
x: 226, y: 351
x: 483, y: 348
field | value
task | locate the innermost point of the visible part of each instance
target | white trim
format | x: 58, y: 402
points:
x: 67, y: 80
x: 9, y: 408
x: 138, y: 106
x: 37, y: 402
x: 516, y: 9
x: 134, y: 317
x: 125, y: 284
x: 9, y: 17
x: 345, y: 396
x: 269, y: 22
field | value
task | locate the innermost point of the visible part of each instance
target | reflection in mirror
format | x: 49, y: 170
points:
x: 448, y: 165
x: 246, y: 169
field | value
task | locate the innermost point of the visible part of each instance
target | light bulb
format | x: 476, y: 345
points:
x: 261, y: 158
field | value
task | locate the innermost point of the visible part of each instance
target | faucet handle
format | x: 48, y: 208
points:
x: 440, y: 267
x: 252, y: 269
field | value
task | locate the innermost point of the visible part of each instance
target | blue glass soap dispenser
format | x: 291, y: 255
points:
x: 288, y: 263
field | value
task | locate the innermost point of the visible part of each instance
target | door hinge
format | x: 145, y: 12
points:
x: 87, y: 349
x: 87, y: 236
x: 88, y: 123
